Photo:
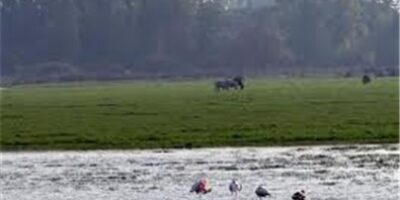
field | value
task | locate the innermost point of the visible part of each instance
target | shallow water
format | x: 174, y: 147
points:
x: 326, y: 172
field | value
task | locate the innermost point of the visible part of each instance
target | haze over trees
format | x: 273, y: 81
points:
x: 56, y: 40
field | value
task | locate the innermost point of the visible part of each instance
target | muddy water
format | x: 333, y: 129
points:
x: 326, y: 172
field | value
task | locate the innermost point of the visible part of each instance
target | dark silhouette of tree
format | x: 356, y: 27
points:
x: 106, y: 39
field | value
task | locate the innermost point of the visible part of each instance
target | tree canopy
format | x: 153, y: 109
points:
x: 75, y: 39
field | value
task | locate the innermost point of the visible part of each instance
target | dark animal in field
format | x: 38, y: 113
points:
x: 227, y: 84
x: 299, y: 195
x: 366, y: 79
x: 239, y: 80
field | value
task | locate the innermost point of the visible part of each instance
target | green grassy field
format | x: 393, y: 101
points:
x: 124, y: 115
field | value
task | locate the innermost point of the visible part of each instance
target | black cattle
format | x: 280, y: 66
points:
x: 366, y: 79
x: 227, y: 84
x: 239, y: 80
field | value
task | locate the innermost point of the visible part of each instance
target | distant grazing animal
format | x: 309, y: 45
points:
x: 299, y: 195
x: 239, y: 80
x: 201, y: 187
x: 226, y: 84
x: 235, y: 187
x: 366, y: 79
x: 262, y: 192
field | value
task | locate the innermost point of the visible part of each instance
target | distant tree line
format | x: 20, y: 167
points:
x: 44, y: 40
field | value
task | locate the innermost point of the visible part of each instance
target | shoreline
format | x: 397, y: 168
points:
x: 282, y: 145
